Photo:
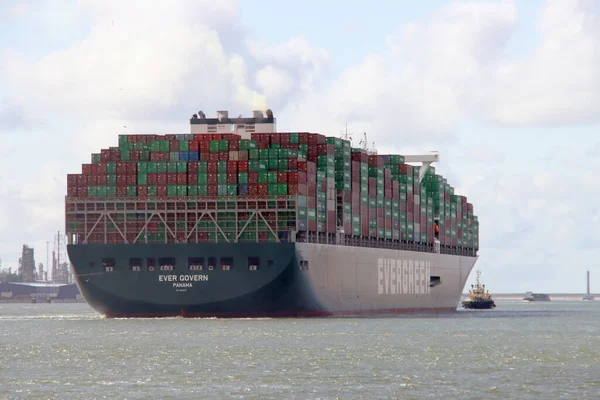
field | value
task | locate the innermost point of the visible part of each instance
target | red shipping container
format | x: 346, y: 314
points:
x: 94, y: 169
x: 101, y: 169
x: 253, y: 189
x: 234, y: 145
x: 380, y: 213
x: 135, y: 155
x: 275, y: 138
x: 282, y: 177
x: 213, y: 157
x: 232, y: 167
x: 121, y: 180
x: 410, y: 217
x: 302, y: 166
x: 142, y: 192
x: 262, y: 144
x: 172, y: 178
x: 242, y: 166
x: 331, y: 222
x: 152, y: 179
x: 293, y: 163
x: 285, y: 138
x: 173, y: 145
x: 86, y: 169
x: 192, y: 178
x: 232, y: 178
x: 131, y: 180
x: 115, y: 155
x: 81, y: 192
x: 101, y: 180
x: 105, y: 155
x: 213, y: 190
x: 82, y: 180
x: 303, y: 138
x: 213, y: 167
x: 121, y: 168
x: 122, y: 191
x: 252, y: 178
x: 312, y: 188
x: 72, y: 192
x: 161, y: 180
x: 293, y: 177
x: 182, y: 179
x: 292, y: 189
x: 263, y: 190
x: 311, y: 202
x: 204, y: 147
x: 213, y: 179
x: 72, y: 180
x: 192, y: 167
x: 312, y: 225
x: 193, y: 145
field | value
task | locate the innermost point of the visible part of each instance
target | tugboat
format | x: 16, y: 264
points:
x: 479, y: 297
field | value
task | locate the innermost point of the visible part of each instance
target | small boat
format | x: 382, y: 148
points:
x: 479, y: 297
x: 530, y: 296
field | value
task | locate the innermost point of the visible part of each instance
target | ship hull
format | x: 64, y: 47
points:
x: 292, y: 280
x: 479, y: 305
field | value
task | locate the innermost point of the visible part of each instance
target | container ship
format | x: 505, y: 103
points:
x: 236, y: 219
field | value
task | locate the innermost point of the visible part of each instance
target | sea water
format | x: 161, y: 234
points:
x: 517, y: 351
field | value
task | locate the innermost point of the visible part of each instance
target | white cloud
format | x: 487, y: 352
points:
x: 16, y: 10
x: 417, y: 90
x: 560, y: 81
x: 150, y: 68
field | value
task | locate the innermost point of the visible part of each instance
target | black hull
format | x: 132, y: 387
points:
x: 276, y: 290
x: 479, y: 305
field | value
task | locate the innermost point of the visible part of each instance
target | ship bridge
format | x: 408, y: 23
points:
x: 243, y: 126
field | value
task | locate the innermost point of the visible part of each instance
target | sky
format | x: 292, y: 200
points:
x: 507, y: 91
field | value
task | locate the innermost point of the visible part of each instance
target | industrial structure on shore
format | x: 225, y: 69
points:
x: 29, y: 283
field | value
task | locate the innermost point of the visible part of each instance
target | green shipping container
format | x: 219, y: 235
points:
x: 111, y: 180
x: 142, y: 179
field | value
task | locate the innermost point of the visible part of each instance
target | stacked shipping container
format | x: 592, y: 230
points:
x: 372, y: 196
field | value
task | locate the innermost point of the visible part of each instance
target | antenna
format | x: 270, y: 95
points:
x: 344, y: 135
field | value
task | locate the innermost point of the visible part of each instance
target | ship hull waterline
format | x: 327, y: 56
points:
x: 292, y: 280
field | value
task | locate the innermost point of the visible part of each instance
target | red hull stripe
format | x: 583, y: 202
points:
x: 283, y: 314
